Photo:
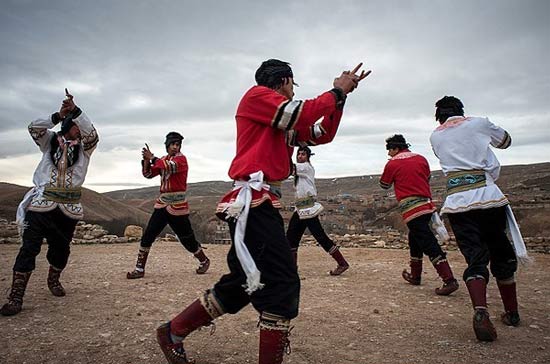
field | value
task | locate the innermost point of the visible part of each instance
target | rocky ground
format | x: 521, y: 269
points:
x: 368, y: 315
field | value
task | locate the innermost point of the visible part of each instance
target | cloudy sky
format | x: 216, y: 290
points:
x: 140, y: 69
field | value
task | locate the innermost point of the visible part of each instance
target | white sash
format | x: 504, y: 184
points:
x: 239, y: 210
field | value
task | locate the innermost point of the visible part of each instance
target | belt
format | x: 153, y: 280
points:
x: 465, y: 180
x: 63, y: 195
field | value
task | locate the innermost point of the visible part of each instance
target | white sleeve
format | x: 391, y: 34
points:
x: 40, y: 133
x: 88, y: 133
x: 499, y: 137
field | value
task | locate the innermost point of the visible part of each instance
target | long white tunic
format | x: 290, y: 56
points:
x: 47, y: 174
x: 464, y: 144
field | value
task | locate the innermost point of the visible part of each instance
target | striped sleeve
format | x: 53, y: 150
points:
x: 499, y: 137
x: 287, y: 114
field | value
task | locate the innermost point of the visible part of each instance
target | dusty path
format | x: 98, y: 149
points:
x: 368, y: 315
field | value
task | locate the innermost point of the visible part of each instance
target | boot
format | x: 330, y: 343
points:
x: 507, y: 289
x: 15, y: 298
x: 204, y: 262
x: 53, y: 282
x: 174, y: 352
x: 450, y: 284
x: 139, y: 271
x: 342, y: 263
x: 483, y: 327
x: 274, y: 332
x: 170, y: 335
x: 415, y: 275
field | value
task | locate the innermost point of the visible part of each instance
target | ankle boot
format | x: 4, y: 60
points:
x: 53, y: 282
x: 450, y: 284
x: 15, y: 298
x: 414, y: 277
x: 170, y: 335
x: 274, y: 332
x: 139, y: 271
x: 204, y: 262
x: 342, y: 263
x: 483, y: 327
x: 509, y: 298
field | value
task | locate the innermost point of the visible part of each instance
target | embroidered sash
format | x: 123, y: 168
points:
x: 173, y: 198
x: 465, y: 180
x: 63, y: 195
x: 410, y: 203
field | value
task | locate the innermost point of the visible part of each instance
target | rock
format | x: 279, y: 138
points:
x: 133, y: 231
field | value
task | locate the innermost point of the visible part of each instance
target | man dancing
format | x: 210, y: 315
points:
x: 477, y: 208
x: 262, y: 270
x: 171, y: 206
x: 51, y: 209
x: 410, y: 175
x: 307, y: 212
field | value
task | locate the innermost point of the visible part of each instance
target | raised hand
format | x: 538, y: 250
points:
x: 349, y: 80
x: 67, y: 105
x: 146, y: 153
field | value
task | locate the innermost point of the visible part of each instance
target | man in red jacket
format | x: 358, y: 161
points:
x: 410, y: 175
x: 171, y: 206
x: 262, y: 270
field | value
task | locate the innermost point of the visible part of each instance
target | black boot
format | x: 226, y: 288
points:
x: 139, y: 271
x: 15, y: 298
x: 53, y: 282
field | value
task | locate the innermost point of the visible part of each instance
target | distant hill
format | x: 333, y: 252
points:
x: 98, y: 209
x: 352, y: 204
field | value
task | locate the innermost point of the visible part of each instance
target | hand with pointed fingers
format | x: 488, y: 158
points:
x: 349, y: 80
x: 67, y: 105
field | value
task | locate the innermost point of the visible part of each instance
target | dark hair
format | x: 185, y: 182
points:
x: 272, y: 73
x: 397, y: 141
x: 173, y: 137
x: 306, y: 149
x: 447, y: 107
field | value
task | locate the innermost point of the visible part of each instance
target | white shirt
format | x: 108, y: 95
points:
x: 306, y: 188
x: 464, y: 144
x: 47, y: 174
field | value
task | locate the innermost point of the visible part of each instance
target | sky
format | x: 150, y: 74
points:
x: 140, y: 69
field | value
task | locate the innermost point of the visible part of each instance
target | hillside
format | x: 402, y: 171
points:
x: 352, y: 204
x: 112, y: 214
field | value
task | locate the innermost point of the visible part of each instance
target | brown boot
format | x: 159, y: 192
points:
x: 414, y: 277
x: 450, y: 284
x: 170, y: 335
x: 342, y: 263
x: 174, y: 352
x: 483, y: 327
x: 139, y: 271
x: 53, y: 282
x: 274, y: 332
x: 15, y: 298
x: 508, y: 294
x: 204, y: 262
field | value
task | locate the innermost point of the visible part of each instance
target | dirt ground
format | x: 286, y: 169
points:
x: 368, y: 315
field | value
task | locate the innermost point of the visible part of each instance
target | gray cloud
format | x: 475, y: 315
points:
x: 142, y: 68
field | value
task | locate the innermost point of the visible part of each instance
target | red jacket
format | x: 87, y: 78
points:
x: 173, y: 178
x: 410, y: 175
x: 268, y: 127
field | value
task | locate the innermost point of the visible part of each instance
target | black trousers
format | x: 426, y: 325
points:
x: 180, y: 224
x: 481, y: 237
x: 267, y: 244
x: 297, y: 227
x: 422, y: 240
x: 56, y: 228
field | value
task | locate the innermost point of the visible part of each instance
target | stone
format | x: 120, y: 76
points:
x: 133, y: 231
